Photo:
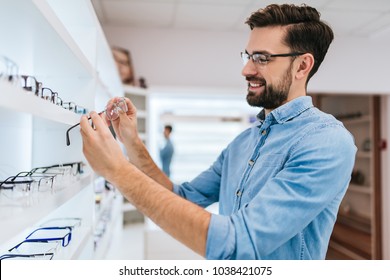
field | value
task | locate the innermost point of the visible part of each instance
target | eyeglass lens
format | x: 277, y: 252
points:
x: 113, y: 109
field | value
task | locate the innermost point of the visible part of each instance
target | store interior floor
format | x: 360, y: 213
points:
x: 146, y: 241
x: 128, y: 244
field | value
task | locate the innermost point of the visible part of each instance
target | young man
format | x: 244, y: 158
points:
x: 279, y: 184
x: 166, y: 152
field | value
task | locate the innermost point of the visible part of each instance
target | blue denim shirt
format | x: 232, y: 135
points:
x: 279, y: 185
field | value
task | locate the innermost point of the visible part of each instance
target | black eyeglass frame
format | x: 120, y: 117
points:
x: 264, y: 58
x: 11, y: 256
x: 109, y: 115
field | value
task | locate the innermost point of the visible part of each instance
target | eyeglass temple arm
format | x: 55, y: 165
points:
x: 70, y: 128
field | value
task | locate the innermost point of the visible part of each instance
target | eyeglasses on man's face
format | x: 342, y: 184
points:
x: 262, y: 59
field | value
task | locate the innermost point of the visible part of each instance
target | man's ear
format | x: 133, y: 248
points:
x: 306, y: 64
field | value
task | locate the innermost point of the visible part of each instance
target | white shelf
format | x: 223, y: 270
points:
x: 15, y: 219
x: 80, y: 238
x: 62, y: 44
x: 19, y: 100
x: 135, y: 90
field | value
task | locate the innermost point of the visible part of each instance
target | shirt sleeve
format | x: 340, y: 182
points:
x: 316, y: 173
x: 204, y: 189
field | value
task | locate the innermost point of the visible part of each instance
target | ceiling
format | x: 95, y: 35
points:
x: 347, y: 17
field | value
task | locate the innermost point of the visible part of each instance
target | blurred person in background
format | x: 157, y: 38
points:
x: 166, y: 152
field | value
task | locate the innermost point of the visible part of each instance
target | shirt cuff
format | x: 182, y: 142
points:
x: 220, y: 238
x: 176, y: 188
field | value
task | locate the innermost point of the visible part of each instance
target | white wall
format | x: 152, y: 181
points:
x: 211, y: 59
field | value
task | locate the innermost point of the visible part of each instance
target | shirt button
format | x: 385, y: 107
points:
x: 264, y: 132
x: 238, y: 193
x: 251, y: 162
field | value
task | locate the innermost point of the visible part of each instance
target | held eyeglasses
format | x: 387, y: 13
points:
x: 112, y: 112
x: 262, y: 59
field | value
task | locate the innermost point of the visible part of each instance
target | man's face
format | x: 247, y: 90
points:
x: 269, y: 84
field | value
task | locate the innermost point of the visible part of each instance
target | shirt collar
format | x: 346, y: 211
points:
x: 287, y: 111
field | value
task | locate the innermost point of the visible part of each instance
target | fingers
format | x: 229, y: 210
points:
x: 85, y: 126
x: 97, y: 121
x: 132, y: 110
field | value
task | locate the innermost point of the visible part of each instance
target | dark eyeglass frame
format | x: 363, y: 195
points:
x: 28, y: 179
x: 65, y: 240
x: 40, y: 178
x: 38, y: 85
x: 11, y: 181
x: 109, y: 114
x: 71, y: 106
x: 73, y: 126
x: 264, y: 58
x: 53, y: 95
x: 11, y: 256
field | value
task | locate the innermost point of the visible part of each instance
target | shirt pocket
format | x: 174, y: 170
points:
x: 271, y: 160
x: 265, y: 168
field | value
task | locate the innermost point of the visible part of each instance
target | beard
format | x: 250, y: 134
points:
x: 273, y: 95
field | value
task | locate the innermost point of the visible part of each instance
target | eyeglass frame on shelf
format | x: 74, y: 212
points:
x: 65, y: 240
x: 12, y: 69
x: 29, y: 180
x: 11, y: 256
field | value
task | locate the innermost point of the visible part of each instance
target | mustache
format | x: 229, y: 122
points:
x: 254, y: 79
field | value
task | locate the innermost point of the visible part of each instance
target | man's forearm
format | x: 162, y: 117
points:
x: 182, y: 219
x: 139, y: 156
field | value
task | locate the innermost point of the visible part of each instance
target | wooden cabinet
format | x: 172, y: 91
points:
x: 357, y: 233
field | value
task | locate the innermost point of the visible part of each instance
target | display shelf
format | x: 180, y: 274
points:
x: 80, y: 238
x: 357, y: 233
x: 19, y: 100
x: 113, y: 222
x: 140, y: 99
x: 17, y: 218
x: 364, y: 155
x: 61, y: 43
x: 360, y: 189
x: 135, y: 90
x: 357, y: 120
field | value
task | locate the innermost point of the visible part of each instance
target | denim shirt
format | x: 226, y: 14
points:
x: 279, y: 185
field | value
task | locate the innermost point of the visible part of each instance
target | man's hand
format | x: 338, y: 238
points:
x: 125, y: 126
x: 100, y: 148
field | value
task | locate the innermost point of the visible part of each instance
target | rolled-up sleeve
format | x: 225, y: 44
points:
x: 204, y: 189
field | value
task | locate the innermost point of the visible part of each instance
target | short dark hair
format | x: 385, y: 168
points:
x: 306, y: 32
x: 168, y: 127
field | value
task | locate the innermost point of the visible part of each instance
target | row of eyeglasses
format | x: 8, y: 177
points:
x: 45, y: 241
x: 9, y: 71
x: 24, y: 188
